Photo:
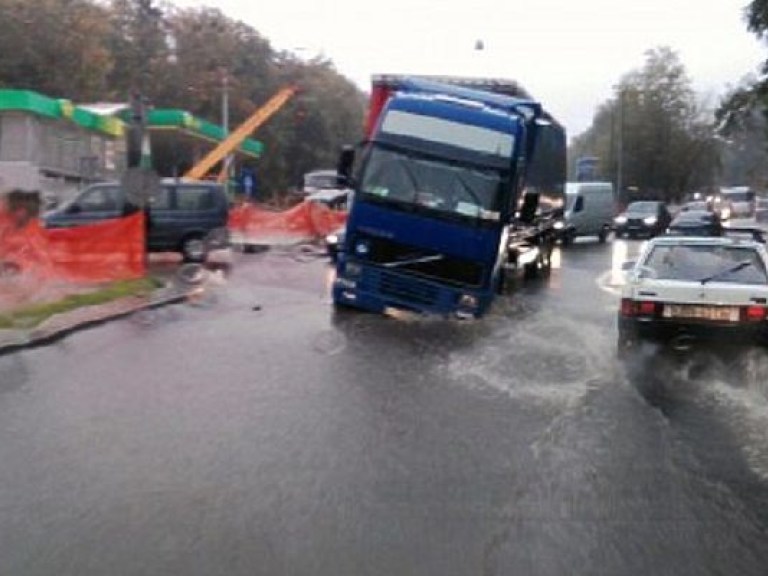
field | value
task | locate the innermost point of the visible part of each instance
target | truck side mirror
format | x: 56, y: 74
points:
x: 344, y: 166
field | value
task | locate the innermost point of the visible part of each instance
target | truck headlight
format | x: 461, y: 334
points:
x: 650, y: 220
x: 332, y: 239
x: 362, y: 248
x: 468, y: 302
x: 559, y: 225
x: 620, y: 220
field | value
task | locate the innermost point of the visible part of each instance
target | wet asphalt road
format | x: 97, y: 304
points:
x: 251, y: 432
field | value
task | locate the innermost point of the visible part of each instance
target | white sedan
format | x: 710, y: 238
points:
x: 684, y: 289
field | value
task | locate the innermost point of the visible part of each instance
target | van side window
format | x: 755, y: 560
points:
x: 101, y: 199
x: 162, y: 199
x: 579, y: 205
x: 191, y: 198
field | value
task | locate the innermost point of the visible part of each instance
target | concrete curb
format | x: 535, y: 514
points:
x: 61, y: 325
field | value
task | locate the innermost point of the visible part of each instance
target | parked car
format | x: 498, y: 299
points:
x: 684, y: 289
x: 318, y: 180
x: 187, y: 217
x: 335, y: 199
x: 589, y: 210
x: 645, y: 218
x: 761, y: 210
x: 696, y: 223
x: 334, y: 243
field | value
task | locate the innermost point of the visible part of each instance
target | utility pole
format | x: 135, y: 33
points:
x: 620, y: 151
x: 140, y: 182
x: 225, y: 124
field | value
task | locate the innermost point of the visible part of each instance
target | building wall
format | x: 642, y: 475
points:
x: 15, y: 137
x: 54, y: 156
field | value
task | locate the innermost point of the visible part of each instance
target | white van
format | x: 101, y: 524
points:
x: 589, y: 210
x: 741, y: 200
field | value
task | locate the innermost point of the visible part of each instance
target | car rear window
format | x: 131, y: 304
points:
x: 733, y: 264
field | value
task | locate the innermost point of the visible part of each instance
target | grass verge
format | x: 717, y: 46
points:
x: 30, y: 316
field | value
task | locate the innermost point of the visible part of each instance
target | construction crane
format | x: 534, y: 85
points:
x: 236, y: 137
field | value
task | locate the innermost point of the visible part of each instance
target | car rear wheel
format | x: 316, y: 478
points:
x: 193, y: 249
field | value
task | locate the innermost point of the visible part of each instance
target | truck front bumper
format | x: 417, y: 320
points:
x: 376, y: 289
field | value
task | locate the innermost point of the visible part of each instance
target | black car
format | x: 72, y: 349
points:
x: 696, y: 206
x: 646, y: 218
x: 696, y: 223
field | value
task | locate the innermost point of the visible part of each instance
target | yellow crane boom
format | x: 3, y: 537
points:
x: 226, y: 146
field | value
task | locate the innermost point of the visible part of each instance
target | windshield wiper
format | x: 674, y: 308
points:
x: 735, y: 268
x: 470, y: 190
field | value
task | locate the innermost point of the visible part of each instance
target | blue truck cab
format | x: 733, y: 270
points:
x: 445, y: 201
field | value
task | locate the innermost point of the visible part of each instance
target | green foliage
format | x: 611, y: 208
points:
x: 663, y: 132
x: 57, y: 47
x: 741, y: 117
x: 92, y: 50
x: 757, y: 17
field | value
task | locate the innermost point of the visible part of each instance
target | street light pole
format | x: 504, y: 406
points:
x: 620, y: 151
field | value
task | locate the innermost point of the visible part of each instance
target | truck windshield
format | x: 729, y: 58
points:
x: 441, y: 186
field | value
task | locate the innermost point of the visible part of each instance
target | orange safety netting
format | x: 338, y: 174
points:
x: 38, y: 264
x: 103, y: 251
x: 305, y: 221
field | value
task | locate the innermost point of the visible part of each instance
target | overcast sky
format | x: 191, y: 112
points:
x: 568, y: 54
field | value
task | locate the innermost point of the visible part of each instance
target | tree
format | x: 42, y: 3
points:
x: 663, y: 131
x: 56, y: 47
x: 138, y: 42
x: 98, y: 50
x: 741, y: 117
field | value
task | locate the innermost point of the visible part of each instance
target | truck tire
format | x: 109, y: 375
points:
x: 602, y: 236
x: 540, y: 267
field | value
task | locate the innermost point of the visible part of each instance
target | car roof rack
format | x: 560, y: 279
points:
x: 757, y: 234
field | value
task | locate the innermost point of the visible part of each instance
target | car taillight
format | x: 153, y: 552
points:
x: 627, y: 307
x: 631, y: 307
x: 755, y: 313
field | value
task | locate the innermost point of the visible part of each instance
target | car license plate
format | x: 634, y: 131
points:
x: 714, y: 313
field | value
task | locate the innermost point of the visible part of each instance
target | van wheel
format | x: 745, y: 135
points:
x: 602, y: 236
x: 193, y: 249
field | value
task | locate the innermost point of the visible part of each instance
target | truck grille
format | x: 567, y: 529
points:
x: 408, y: 289
x: 425, y: 263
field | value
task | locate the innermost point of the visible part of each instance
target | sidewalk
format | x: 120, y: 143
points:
x: 61, y: 325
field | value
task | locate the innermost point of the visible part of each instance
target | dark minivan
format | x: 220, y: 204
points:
x: 183, y: 216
